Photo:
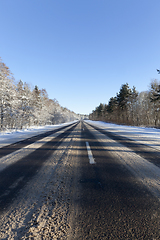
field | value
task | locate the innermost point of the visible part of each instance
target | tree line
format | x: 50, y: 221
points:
x: 131, y: 107
x: 22, y: 106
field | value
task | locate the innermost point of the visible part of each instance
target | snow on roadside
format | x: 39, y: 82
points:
x: 144, y: 135
x: 7, y: 138
x: 23, y: 152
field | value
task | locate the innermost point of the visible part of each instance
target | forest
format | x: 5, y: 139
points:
x: 131, y: 107
x: 21, y: 106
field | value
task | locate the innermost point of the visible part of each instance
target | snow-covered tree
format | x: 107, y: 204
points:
x: 155, y: 99
x: 21, y: 106
x: 6, y: 94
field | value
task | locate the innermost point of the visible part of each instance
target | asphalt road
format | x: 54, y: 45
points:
x: 103, y: 199
x: 14, y: 177
x: 112, y: 203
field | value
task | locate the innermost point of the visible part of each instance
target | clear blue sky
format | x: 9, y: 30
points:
x: 81, y: 51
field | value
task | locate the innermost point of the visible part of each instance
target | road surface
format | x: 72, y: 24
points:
x: 79, y: 182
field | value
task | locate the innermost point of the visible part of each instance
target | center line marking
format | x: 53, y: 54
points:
x: 90, y: 156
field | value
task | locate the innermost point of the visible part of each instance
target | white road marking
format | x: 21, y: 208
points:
x: 90, y: 155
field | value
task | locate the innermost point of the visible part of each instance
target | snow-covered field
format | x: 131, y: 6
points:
x: 144, y: 135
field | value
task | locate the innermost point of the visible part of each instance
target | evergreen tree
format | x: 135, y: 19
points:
x: 123, y: 101
x: 155, y: 99
x: 133, y: 106
x: 99, y: 110
x: 123, y: 96
x: 112, y: 105
x: 37, y: 103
